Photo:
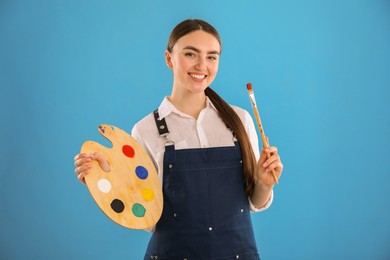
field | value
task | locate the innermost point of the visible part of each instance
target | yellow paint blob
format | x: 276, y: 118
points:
x: 148, y: 194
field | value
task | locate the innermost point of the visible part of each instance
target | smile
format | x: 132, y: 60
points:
x: 197, y: 76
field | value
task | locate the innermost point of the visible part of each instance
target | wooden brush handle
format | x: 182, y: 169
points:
x: 258, y: 120
x: 264, y: 139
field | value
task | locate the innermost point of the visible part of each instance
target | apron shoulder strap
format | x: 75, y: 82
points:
x: 162, y: 128
x: 161, y: 124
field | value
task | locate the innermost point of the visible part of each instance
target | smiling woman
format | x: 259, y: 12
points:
x: 212, y: 172
x: 194, y: 62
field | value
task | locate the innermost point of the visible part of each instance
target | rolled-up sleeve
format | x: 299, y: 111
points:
x: 266, y: 206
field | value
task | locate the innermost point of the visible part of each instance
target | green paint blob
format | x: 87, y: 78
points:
x: 138, y: 210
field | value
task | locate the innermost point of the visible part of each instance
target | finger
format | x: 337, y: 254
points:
x: 78, y: 159
x: 271, y: 150
x: 81, y: 161
x: 82, y: 172
x: 277, y: 166
x: 263, y: 157
x: 271, y: 159
x: 97, y: 156
x: 79, y: 156
x: 81, y: 177
x: 83, y: 168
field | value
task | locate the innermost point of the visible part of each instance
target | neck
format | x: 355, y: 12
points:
x: 189, y: 103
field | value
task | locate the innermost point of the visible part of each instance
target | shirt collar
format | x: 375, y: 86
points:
x: 210, y: 104
x: 166, y: 108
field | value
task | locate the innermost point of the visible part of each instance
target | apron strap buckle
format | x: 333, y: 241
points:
x: 162, y: 128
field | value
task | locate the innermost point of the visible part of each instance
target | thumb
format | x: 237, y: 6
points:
x: 99, y: 157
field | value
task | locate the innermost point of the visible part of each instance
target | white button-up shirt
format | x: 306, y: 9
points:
x: 208, y: 130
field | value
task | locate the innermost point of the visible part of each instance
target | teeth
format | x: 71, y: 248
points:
x: 198, y: 76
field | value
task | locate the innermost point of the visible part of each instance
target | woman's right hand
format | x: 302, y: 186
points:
x: 81, y: 162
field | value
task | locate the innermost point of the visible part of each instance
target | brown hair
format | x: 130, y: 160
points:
x: 188, y: 26
x: 228, y: 115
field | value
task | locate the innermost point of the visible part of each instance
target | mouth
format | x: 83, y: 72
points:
x: 197, y: 76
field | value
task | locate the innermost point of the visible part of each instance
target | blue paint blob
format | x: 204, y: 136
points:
x: 141, y: 172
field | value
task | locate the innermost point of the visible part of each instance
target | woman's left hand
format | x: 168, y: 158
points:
x: 265, y: 166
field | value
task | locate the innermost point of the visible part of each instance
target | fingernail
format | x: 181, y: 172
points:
x: 265, y: 164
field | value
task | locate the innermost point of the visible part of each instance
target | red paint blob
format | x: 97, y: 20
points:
x: 128, y: 151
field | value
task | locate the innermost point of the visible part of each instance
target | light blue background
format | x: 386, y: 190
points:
x: 321, y: 74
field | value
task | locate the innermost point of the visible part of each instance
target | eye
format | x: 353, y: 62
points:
x: 213, y: 58
x: 189, y: 54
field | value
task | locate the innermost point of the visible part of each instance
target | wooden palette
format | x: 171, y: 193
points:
x: 130, y: 193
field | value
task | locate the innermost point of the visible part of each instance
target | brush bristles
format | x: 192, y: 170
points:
x: 249, y: 86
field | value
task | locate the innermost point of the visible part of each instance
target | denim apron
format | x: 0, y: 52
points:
x: 206, y: 209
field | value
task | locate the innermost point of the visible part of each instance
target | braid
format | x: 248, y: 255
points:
x: 233, y: 121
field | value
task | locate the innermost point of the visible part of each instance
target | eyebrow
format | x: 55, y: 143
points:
x: 198, y: 51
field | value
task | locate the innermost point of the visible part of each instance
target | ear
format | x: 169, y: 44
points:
x: 168, y: 59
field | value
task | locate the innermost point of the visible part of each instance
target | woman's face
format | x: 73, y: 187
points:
x: 194, y: 61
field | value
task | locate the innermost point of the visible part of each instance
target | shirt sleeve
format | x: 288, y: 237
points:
x: 136, y: 136
x: 266, y: 206
x: 252, y: 134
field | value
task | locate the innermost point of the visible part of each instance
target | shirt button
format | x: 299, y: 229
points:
x: 210, y: 229
x: 170, y: 166
x: 237, y: 256
x: 242, y: 210
x: 174, y: 214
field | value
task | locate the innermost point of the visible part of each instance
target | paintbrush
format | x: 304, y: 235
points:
x: 259, y: 124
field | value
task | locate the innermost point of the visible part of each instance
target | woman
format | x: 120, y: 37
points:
x: 207, y: 158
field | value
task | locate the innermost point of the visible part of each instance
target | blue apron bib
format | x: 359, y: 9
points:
x: 206, y: 210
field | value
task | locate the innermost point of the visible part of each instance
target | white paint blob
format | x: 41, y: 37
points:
x: 104, y: 185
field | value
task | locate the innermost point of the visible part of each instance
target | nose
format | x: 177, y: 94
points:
x: 201, y: 63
